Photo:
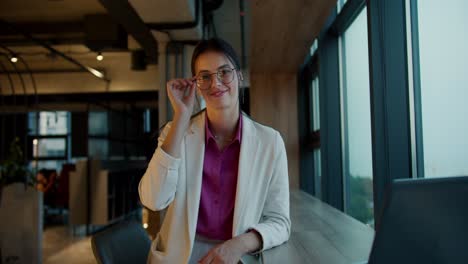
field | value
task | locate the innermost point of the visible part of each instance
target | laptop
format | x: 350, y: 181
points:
x: 423, y: 221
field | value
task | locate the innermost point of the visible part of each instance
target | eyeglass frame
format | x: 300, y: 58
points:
x: 211, y: 78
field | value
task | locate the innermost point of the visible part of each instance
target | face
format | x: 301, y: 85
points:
x: 219, y: 93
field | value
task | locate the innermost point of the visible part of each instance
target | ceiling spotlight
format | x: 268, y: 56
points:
x: 96, y: 72
x: 14, y: 59
x: 99, y: 57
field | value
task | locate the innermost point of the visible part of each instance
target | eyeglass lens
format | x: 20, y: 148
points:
x: 224, y: 75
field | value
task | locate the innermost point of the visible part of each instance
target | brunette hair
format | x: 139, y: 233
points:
x: 217, y: 45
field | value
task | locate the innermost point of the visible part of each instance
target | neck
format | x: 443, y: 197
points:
x: 223, y: 123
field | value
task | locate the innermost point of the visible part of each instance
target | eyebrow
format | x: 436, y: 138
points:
x: 220, y: 67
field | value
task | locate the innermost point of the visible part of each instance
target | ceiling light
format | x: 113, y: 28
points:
x: 14, y: 59
x: 99, y: 57
x: 96, y: 72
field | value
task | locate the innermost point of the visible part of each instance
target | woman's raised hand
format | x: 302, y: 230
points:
x: 181, y: 93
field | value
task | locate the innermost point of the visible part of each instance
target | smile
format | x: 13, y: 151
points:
x: 218, y: 93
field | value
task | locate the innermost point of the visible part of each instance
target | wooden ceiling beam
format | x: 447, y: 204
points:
x: 123, y: 13
x: 282, y: 32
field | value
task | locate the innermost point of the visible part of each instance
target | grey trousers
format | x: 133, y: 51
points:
x: 201, y: 247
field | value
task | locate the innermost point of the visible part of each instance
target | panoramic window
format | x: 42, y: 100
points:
x: 357, y: 140
x: 443, y: 87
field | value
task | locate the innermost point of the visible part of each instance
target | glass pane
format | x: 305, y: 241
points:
x: 316, y: 104
x: 117, y: 150
x: 318, y: 174
x: 315, y: 126
x: 443, y: 54
x: 147, y: 121
x: 49, y: 147
x: 50, y: 123
x: 49, y: 164
x: 97, y: 123
x: 311, y: 107
x: 98, y: 148
x: 32, y: 125
x: 357, y: 124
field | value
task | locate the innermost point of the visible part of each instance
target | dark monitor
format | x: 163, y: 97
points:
x: 424, y: 221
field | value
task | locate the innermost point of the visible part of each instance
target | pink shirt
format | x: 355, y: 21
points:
x: 218, y: 193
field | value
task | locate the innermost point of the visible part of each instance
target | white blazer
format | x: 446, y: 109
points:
x: 262, y: 196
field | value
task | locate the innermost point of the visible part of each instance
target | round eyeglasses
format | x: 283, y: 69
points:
x: 224, y: 75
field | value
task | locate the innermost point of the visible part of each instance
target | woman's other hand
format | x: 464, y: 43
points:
x: 229, y: 252
x: 232, y: 250
x: 181, y: 93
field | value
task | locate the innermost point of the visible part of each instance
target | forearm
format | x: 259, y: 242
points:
x: 175, y: 135
x: 159, y: 182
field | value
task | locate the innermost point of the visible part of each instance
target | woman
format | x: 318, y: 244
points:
x: 223, y: 177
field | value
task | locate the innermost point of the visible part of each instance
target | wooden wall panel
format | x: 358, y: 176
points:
x: 282, y: 33
x: 273, y: 102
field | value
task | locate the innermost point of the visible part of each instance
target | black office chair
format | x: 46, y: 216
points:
x: 125, y: 242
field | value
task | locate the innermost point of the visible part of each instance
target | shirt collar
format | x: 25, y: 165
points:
x: 209, y: 135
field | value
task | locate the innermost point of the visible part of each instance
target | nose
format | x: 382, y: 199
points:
x: 215, y: 81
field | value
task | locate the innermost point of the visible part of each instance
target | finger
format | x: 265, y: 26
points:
x: 192, y: 91
x: 193, y: 81
x: 171, y: 85
x: 172, y: 90
x: 173, y: 82
x: 194, y: 84
x: 182, y: 83
x: 172, y: 99
x: 178, y: 83
x: 189, y: 82
x: 218, y: 261
x: 205, y: 259
x: 169, y: 91
x: 208, y: 257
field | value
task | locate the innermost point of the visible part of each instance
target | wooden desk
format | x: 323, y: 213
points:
x: 321, y: 234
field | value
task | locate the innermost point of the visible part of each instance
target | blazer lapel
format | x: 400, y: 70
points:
x: 195, y: 152
x: 248, y: 150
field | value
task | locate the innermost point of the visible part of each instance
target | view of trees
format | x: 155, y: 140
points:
x: 361, y: 204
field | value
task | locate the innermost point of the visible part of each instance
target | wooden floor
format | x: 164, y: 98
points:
x: 61, y: 246
x: 321, y: 234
